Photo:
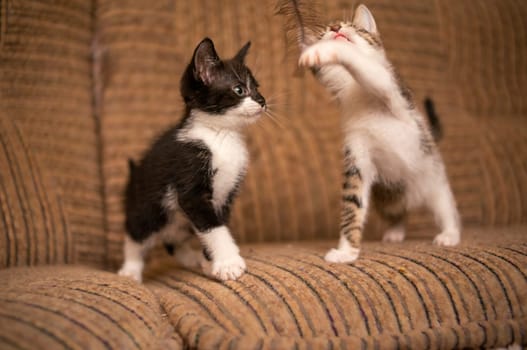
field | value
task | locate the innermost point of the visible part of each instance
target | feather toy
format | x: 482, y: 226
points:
x: 302, y: 21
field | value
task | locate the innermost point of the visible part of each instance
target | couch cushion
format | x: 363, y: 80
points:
x: 78, y: 308
x: 487, y: 62
x: 46, y: 88
x: 409, y: 295
x: 33, y: 225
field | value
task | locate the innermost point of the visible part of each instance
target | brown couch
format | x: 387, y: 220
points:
x: 84, y: 85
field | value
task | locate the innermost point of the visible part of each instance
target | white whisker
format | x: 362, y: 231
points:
x: 274, y: 119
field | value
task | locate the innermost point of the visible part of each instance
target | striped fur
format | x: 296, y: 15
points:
x: 389, y: 147
x: 352, y: 210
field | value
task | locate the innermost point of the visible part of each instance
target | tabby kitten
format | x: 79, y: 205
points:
x: 187, y: 180
x: 390, y: 154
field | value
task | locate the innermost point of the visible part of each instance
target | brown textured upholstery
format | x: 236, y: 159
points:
x: 34, y: 228
x: 46, y: 89
x: 85, y: 85
x: 396, y: 296
x: 77, y: 308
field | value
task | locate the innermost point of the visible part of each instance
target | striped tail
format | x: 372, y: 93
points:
x: 433, y: 120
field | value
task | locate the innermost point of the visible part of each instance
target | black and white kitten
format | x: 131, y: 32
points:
x: 186, y: 181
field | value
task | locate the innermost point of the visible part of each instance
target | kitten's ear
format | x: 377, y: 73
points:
x: 240, y: 56
x: 205, y: 61
x: 364, y: 19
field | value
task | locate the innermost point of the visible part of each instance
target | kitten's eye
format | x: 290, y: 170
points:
x: 238, y: 90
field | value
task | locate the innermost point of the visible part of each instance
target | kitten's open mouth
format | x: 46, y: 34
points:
x: 341, y: 36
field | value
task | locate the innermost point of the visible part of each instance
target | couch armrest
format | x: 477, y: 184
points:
x: 33, y: 225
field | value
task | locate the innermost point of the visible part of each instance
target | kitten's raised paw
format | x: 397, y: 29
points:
x: 393, y: 235
x: 341, y: 257
x: 226, y: 269
x: 132, y: 270
x: 318, y: 55
x: 447, y: 239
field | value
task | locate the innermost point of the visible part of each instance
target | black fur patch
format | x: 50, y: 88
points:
x: 206, y: 254
x: 169, y: 248
x: 426, y: 141
x: 183, y: 166
x: 350, y: 170
x: 404, y: 90
x: 352, y: 199
x: 433, y: 120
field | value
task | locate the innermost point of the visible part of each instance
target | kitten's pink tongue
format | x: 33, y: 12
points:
x: 340, y: 36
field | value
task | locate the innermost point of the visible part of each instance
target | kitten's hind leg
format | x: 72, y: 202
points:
x: 358, y: 175
x: 389, y: 200
x: 134, y: 253
x: 443, y: 205
x: 177, y: 238
x: 394, y: 234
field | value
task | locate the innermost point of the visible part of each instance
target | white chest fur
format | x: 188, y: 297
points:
x: 229, y: 158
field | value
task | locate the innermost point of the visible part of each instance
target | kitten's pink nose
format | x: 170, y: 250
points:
x: 335, y: 28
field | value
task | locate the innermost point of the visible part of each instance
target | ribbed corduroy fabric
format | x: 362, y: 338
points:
x: 486, y: 56
x: 46, y: 88
x: 33, y: 225
x: 397, y: 296
x: 77, y: 308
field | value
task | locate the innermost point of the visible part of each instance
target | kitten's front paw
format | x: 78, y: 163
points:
x: 341, y: 257
x: 393, y: 235
x: 318, y: 55
x: 133, y: 271
x: 447, y: 238
x: 226, y: 269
